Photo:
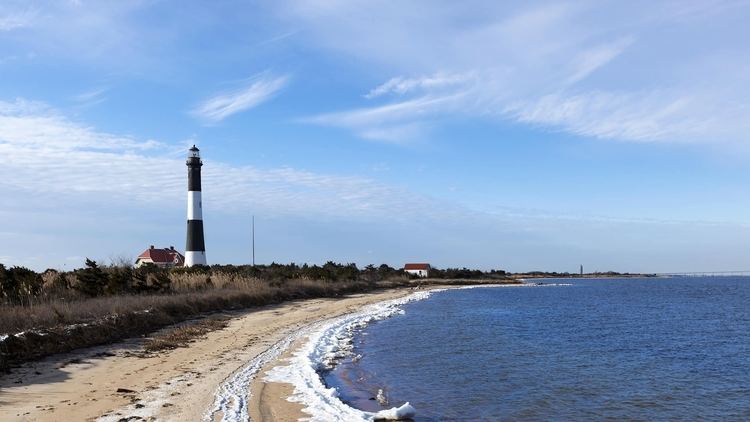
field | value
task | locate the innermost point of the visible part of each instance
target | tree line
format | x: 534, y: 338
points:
x: 22, y: 286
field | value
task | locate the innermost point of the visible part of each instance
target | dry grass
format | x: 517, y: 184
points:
x: 63, y: 325
x: 192, y: 282
x: 65, y: 322
x: 191, y: 294
x: 182, y: 336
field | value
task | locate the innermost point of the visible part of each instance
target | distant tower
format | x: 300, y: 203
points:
x: 195, y: 251
x: 581, y: 269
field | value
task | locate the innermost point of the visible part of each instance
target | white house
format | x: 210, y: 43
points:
x: 420, y: 270
x: 167, y: 257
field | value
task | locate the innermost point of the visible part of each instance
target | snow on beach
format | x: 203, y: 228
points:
x: 232, y: 396
x: 66, y: 328
x: 327, y: 343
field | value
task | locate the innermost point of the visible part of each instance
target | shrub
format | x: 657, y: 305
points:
x: 19, y: 285
x: 92, y: 281
x: 120, y: 280
x: 151, y: 279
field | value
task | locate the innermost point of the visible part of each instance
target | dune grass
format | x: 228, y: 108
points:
x: 61, y: 320
x: 183, y: 335
x: 57, y: 326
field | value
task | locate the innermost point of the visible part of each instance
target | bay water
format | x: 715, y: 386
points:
x: 582, y: 349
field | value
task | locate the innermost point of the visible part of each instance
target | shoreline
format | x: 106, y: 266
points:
x: 116, y: 382
x: 289, y: 387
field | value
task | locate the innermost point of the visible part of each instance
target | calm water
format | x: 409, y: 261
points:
x: 640, y: 349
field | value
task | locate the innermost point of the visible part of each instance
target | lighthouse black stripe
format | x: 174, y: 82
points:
x: 195, y: 236
x: 195, y: 250
x: 194, y: 177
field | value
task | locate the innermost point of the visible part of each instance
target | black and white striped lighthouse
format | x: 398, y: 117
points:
x: 195, y: 251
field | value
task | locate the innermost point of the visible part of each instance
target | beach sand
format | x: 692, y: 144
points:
x: 268, y: 400
x: 176, y: 385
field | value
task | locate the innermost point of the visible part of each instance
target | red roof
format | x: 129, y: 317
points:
x: 416, y: 266
x: 166, y: 255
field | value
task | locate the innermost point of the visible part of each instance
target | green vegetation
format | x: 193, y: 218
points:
x: 19, y: 285
x: 24, y: 287
x: 53, y: 312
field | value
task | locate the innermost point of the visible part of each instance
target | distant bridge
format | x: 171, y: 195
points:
x: 744, y: 273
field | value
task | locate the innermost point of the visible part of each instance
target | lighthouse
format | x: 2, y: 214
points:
x: 195, y: 251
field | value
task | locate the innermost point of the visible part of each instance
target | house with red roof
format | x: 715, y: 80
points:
x: 418, y: 269
x: 166, y: 258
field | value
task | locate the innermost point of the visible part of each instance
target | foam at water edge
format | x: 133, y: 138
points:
x: 231, y: 397
x: 328, y: 342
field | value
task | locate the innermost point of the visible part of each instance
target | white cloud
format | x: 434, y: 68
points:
x: 401, y: 85
x: 396, y: 122
x: 29, y: 124
x: 49, y: 155
x: 112, y: 36
x: 597, y: 69
x: 260, y: 88
x: 383, y: 114
x: 81, y: 31
x: 91, y: 97
x: 398, y: 134
x: 592, y: 59
x: 642, y: 117
x: 60, y: 176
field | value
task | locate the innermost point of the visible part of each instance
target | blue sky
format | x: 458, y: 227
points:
x: 523, y: 136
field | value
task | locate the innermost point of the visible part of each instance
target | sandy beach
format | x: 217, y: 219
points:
x: 117, y: 382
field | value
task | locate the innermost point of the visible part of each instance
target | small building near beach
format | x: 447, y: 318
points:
x: 420, y: 269
x: 165, y: 258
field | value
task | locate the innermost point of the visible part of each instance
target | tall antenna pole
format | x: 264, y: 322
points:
x: 253, y: 241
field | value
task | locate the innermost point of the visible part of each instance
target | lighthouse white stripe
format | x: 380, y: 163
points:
x: 194, y: 206
x: 195, y: 258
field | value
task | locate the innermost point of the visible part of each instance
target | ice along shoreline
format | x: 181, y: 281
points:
x: 323, y: 343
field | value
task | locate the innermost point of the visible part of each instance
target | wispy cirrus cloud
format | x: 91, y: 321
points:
x: 16, y: 18
x: 257, y: 90
x: 591, y: 59
x: 91, y: 97
x: 595, y: 69
x: 48, y: 154
x: 111, y: 186
x: 396, y: 122
x: 643, y: 118
x: 37, y: 126
x: 401, y: 85
x: 82, y: 31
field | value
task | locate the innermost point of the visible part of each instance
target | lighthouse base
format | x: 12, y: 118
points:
x: 195, y: 258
